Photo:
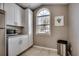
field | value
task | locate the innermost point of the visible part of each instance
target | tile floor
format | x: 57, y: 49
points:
x: 36, y: 51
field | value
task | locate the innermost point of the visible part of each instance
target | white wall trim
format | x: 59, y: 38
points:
x: 45, y: 48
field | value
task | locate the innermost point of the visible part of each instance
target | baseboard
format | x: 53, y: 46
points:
x: 45, y: 48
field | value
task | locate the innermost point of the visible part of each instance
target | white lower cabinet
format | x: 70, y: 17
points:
x: 13, y: 46
x: 24, y: 43
x: 17, y: 45
x: 30, y: 40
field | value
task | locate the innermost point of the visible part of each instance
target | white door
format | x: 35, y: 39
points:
x: 30, y: 26
x: 26, y: 30
x: 18, y: 15
x: 13, y: 46
x: 20, y: 43
x: 24, y: 44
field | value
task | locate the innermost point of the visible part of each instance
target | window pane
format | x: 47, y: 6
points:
x: 46, y: 12
x: 40, y: 29
x: 47, y: 28
x: 41, y: 13
x: 43, y: 29
x: 38, y: 21
x: 46, y: 20
x: 43, y: 20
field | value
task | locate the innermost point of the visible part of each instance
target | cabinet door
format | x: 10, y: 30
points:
x: 20, y: 43
x: 30, y: 26
x: 26, y: 30
x: 24, y: 44
x: 18, y: 15
x: 13, y: 46
x: 9, y: 15
x: 1, y: 6
x: 22, y: 16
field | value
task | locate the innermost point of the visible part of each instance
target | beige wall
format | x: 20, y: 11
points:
x: 74, y: 28
x: 56, y: 32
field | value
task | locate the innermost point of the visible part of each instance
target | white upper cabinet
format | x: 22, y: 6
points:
x: 19, y: 15
x: 9, y: 13
x: 1, y: 6
x: 28, y: 21
x: 14, y: 14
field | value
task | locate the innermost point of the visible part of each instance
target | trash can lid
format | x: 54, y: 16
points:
x: 62, y: 41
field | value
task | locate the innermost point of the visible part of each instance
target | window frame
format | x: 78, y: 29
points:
x: 42, y: 9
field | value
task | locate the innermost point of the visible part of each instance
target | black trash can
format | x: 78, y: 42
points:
x: 62, y: 47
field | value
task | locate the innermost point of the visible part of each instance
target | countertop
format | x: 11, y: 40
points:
x: 17, y: 35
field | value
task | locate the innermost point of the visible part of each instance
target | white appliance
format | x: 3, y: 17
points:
x: 2, y: 33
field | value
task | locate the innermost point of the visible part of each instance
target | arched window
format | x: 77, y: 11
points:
x: 43, y: 21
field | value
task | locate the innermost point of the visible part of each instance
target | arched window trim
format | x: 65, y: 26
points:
x: 42, y: 9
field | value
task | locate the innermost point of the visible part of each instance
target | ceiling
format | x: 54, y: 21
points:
x: 30, y: 5
x: 35, y: 5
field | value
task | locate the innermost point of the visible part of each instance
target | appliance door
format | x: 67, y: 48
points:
x: 2, y: 42
x: 10, y: 31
